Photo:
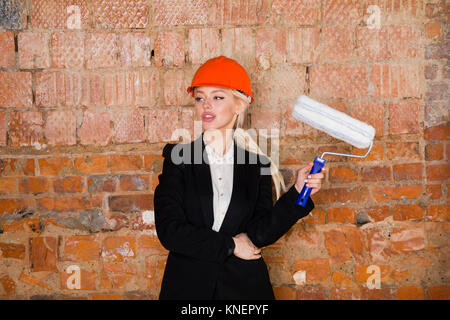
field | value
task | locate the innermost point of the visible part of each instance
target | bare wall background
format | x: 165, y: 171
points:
x: 90, y: 92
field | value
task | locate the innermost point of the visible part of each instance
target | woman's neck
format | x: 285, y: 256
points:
x: 219, y: 140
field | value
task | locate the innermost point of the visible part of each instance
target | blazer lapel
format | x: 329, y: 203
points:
x: 202, y: 176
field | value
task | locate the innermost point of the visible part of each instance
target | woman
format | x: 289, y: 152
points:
x: 215, y: 215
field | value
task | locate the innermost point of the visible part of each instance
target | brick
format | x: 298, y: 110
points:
x: 409, y: 293
x: 407, y: 239
x: 135, y: 49
x: 433, y: 30
x: 172, y: 12
x: 34, y: 185
x: 439, y: 132
x: 397, y: 192
x: 239, y: 44
x: 404, y: 117
x: 55, y: 165
x: 303, y: 45
x: 403, y: 42
x: 98, y: 184
x: 375, y: 174
x: 292, y: 13
x: 341, y: 12
x: 100, y: 50
x: 187, y: 121
x: 341, y: 279
x: 280, y: 84
x: 396, y: 80
x: 91, y: 164
x: 342, y: 175
x: 371, y: 43
x: 339, y: 81
x: 124, y: 162
x: 436, y: 90
x: 154, y: 270
x: 165, y: 120
x: 174, y: 87
x: 136, y: 182
x: 343, y: 195
x: 81, y: 248
x: 12, y: 13
x: 68, y: 203
x: 115, y: 268
x: 149, y: 244
x: 270, y: 47
x: 67, y: 88
x: 235, y: 12
x: 169, y: 49
x: 8, y: 57
x: 12, y: 250
x: 438, y: 172
x: 408, y: 212
x: 3, y: 129
x: 44, y: 252
x: 10, y: 206
x: 63, y: 14
x: 336, y: 43
x: 341, y: 215
x: 379, y: 246
x: 132, y: 88
x: 402, y: 150
x: 87, y: 279
x: 28, y: 279
x: 128, y: 126
x: 8, y: 185
x: 310, y: 292
x: 431, y: 72
x: 377, y: 153
x: 67, y: 50
x: 284, y: 293
x: 68, y: 184
x: 407, y: 171
x: 362, y: 274
x: 8, y: 284
x: 317, y: 216
x: 15, y: 89
x: 266, y: 119
x: 25, y: 224
x: 204, y: 44
x: 372, y: 114
x: 434, y: 191
x: 33, y: 50
x: 60, y: 128
x: 317, y: 270
x: 95, y: 128
x: 439, y: 292
x: 437, y: 212
x: 130, y: 14
x: 434, y: 151
x: 334, y: 241
x: 133, y: 202
x: 118, y: 248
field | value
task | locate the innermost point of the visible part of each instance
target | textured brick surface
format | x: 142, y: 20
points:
x: 90, y: 92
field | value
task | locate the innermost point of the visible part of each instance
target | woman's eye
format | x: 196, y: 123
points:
x: 198, y: 99
x: 218, y: 98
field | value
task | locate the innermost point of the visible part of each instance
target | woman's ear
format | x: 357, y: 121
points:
x: 240, y: 106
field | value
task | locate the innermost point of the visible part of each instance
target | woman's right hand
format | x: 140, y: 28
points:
x: 244, y: 248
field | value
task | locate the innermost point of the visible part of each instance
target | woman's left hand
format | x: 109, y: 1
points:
x: 314, y: 181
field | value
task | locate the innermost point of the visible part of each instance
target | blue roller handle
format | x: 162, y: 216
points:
x: 304, y: 194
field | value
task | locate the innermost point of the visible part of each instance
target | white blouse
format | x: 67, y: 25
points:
x: 221, y: 168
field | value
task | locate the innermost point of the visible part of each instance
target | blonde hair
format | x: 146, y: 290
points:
x: 243, y: 136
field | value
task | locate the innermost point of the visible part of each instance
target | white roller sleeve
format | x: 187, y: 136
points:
x: 333, y: 122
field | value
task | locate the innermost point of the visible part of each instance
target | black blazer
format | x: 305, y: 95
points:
x: 200, y: 264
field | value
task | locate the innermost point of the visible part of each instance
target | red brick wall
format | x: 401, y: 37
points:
x: 84, y: 114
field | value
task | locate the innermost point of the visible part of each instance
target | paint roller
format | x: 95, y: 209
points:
x: 335, y: 123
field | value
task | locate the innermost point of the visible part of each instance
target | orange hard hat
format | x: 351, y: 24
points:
x: 222, y: 72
